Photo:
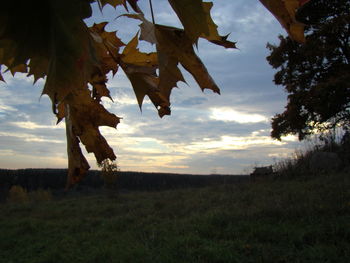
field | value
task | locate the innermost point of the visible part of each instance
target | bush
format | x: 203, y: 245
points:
x: 40, y: 195
x: 332, y: 144
x: 109, y: 174
x: 18, y: 194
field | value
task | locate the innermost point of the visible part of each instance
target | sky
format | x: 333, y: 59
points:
x: 206, y: 133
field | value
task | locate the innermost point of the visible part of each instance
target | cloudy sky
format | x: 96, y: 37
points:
x: 206, y: 133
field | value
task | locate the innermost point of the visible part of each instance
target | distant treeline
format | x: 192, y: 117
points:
x: 55, y: 179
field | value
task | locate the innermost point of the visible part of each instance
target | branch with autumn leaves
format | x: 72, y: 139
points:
x: 48, y: 38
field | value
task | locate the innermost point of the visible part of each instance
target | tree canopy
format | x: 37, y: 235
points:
x: 49, y: 39
x: 316, y: 74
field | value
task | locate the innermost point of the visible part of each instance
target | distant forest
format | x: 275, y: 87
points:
x: 55, y: 179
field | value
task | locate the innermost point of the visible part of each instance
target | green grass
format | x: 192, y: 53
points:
x: 294, y: 220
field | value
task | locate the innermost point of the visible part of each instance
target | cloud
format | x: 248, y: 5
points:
x: 229, y: 114
x: 33, y: 126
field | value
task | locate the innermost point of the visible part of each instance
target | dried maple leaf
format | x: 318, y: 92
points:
x: 175, y: 43
x: 192, y: 16
x: 169, y: 73
x: 135, y: 7
x: 77, y: 163
x: 87, y: 114
x: 59, y: 46
x: 284, y: 11
x: 115, y: 3
x: 213, y: 35
x: 174, y: 47
x: 131, y: 55
x: 107, y: 46
x: 141, y: 68
x: 147, y: 28
x: 1, y: 77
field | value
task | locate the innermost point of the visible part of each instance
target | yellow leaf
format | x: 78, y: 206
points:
x: 141, y: 71
x: 132, y: 55
x: 59, y: 45
x: 108, y: 39
x: 284, y: 11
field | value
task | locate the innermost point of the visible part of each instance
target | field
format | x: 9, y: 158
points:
x: 284, y: 220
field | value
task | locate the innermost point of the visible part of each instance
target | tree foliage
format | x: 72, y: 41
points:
x: 316, y: 75
x: 49, y: 39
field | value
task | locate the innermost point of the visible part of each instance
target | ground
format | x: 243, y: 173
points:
x: 304, y: 219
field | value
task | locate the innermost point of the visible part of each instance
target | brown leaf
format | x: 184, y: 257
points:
x: 284, y: 11
x: 169, y: 73
x: 1, y: 78
x: 72, y: 59
x: 141, y: 71
x: 100, y: 90
x: 77, y: 163
x: 113, y: 3
x: 107, y: 46
x: 19, y: 68
x: 86, y: 116
x: 146, y: 84
x: 192, y: 17
x: 38, y: 67
x: 213, y: 35
x: 147, y: 28
x: 175, y: 43
x: 135, y: 7
x: 108, y: 39
x: 58, y: 44
x: 61, y: 112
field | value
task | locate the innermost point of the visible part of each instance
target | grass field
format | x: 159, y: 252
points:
x: 289, y: 220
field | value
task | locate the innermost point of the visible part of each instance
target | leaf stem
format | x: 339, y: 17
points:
x: 150, y: 5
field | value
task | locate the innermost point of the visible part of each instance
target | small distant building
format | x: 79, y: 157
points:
x: 261, y: 172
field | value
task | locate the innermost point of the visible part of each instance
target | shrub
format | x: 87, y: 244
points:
x: 40, y: 195
x: 335, y: 143
x: 18, y: 194
x: 109, y: 174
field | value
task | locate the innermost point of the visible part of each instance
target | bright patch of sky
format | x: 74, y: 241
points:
x: 228, y: 114
x: 205, y: 133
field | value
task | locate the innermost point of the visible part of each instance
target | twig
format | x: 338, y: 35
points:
x: 150, y: 5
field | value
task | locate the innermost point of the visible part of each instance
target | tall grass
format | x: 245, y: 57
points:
x: 298, y: 164
x: 17, y: 194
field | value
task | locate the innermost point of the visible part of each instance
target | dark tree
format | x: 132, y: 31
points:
x: 316, y: 74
